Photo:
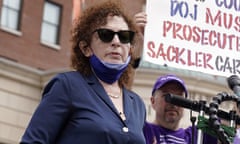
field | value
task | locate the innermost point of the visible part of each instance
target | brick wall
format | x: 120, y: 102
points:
x: 25, y: 47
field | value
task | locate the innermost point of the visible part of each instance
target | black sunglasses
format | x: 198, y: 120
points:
x: 106, y: 35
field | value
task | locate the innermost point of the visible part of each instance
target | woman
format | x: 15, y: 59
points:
x: 92, y: 104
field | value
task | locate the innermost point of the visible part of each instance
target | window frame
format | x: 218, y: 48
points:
x: 19, y: 17
x: 56, y: 43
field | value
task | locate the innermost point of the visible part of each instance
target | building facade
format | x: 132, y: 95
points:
x: 35, y: 45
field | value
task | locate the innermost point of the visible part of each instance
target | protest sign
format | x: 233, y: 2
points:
x: 198, y: 35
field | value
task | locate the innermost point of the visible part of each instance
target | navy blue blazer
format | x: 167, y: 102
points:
x: 76, y: 110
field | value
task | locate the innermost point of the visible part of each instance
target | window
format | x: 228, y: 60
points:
x: 10, y: 14
x: 50, y: 23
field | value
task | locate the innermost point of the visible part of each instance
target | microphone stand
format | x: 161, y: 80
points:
x: 213, y: 112
x: 213, y: 118
x: 201, y: 113
x: 193, y: 120
x: 232, y: 118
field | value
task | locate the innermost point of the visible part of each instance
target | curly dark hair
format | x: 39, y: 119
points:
x: 91, y: 19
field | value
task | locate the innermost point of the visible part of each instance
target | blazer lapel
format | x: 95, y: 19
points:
x: 99, y: 90
x: 127, y: 103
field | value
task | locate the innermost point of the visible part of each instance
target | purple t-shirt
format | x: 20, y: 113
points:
x: 166, y: 136
x: 237, y: 137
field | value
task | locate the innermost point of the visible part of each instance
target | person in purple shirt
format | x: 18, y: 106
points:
x: 237, y: 137
x: 165, y: 128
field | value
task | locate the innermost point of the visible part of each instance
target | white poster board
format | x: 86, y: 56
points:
x: 198, y: 35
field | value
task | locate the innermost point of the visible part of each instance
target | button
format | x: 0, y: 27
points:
x: 125, y: 129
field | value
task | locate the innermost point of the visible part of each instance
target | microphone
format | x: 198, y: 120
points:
x: 196, y: 106
x: 182, y: 102
x: 234, y: 84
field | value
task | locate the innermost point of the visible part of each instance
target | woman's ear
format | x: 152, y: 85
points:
x: 84, y: 47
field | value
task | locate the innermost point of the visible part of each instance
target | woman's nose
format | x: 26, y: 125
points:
x: 116, y: 39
